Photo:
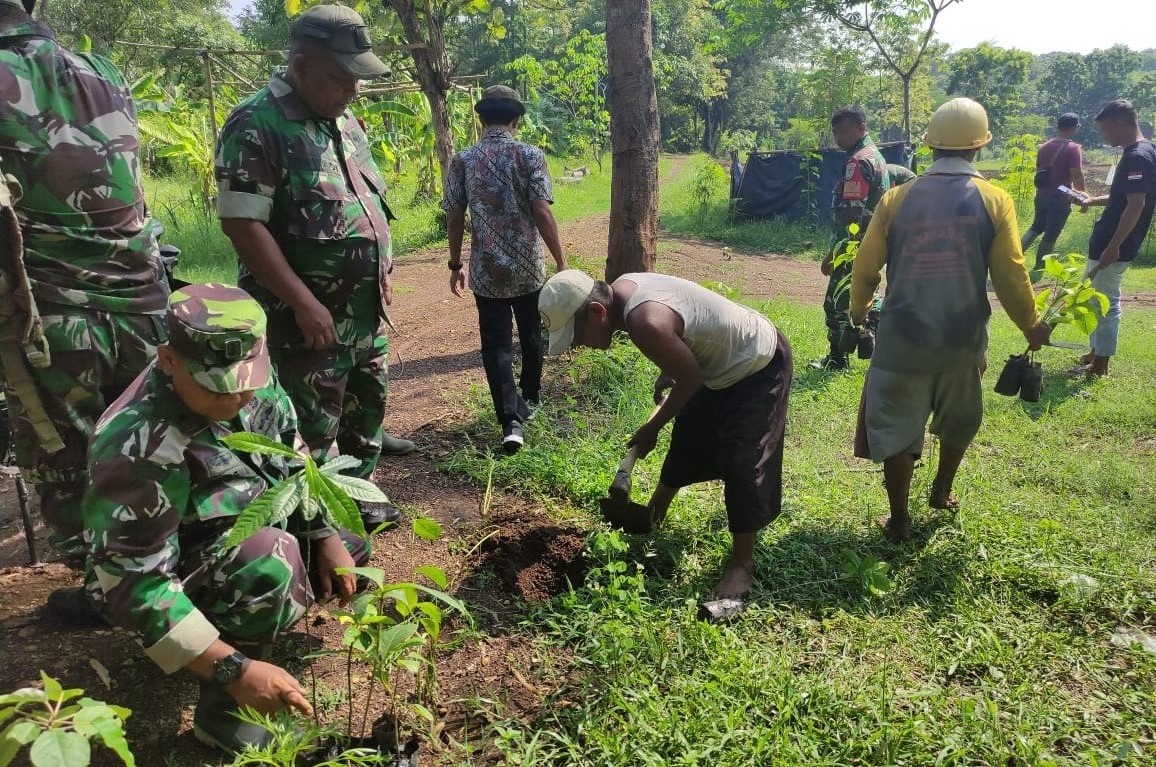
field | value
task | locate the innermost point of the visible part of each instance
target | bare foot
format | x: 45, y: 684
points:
x: 893, y: 532
x: 942, y: 498
x: 735, y: 584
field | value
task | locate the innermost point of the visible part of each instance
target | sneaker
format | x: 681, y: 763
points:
x: 215, y: 722
x: 513, y: 437
x: 532, y: 408
x: 73, y: 606
x: 378, y: 515
x: 391, y: 445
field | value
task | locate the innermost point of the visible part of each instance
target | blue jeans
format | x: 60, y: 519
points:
x: 1107, y: 280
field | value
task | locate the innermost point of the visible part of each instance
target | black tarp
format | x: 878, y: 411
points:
x: 795, y: 185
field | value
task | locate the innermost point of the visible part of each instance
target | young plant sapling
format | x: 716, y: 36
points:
x: 59, y: 724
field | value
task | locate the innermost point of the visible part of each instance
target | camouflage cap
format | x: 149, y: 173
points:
x: 219, y: 332
x: 342, y: 32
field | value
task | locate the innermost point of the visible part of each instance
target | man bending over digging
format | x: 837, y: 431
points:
x: 729, y: 374
x: 939, y: 236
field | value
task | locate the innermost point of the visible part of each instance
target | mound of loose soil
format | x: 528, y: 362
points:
x: 534, y: 558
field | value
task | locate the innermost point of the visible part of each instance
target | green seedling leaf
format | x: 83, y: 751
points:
x: 272, y: 506
x: 435, y: 574
x: 58, y: 748
x: 1042, y: 299
x: 342, y: 509
x: 21, y: 733
x: 1053, y: 268
x: 338, y: 464
x: 52, y: 688
x: 8, y: 749
x: 375, y: 574
x: 359, y: 489
x: 112, y: 735
x: 24, y: 695
x: 427, y: 529
x: 248, y: 442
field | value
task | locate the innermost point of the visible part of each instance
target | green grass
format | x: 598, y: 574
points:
x: 990, y: 643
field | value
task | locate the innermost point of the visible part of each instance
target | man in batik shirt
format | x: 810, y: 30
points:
x: 505, y: 185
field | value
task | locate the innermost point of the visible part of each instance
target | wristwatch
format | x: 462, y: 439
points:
x: 228, y: 669
x: 454, y: 266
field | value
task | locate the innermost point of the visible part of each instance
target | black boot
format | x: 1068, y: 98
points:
x: 73, y: 606
x: 378, y: 515
x: 215, y: 722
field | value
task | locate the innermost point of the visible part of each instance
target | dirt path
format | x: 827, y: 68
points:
x: 435, y: 362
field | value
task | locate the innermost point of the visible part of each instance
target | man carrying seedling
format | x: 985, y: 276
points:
x: 729, y: 374
x: 505, y: 185
x: 165, y: 494
x: 1059, y: 162
x: 939, y: 238
x: 303, y: 202
x: 81, y: 311
x: 865, y: 179
x: 1118, y: 235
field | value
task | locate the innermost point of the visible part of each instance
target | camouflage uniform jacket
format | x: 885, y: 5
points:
x: 164, y: 489
x: 498, y: 179
x: 68, y: 134
x: 314, y: 184
x: 865, y: 179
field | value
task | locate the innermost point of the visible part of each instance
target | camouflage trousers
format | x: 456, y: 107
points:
x: 836, y: 302
x: 253, y: 592
x: 339, y: 396
x: 95, y: 356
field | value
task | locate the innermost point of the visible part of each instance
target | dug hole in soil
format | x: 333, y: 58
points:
x: 533, y: 557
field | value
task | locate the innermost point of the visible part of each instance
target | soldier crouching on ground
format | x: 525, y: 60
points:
x: 68, y: 142
x: 165, y: 494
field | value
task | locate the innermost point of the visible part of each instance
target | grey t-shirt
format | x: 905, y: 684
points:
x: 729, y: 341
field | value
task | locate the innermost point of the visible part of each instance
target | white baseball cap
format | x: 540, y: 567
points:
x: 561, y: 298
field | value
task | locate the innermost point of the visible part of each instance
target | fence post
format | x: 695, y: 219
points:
x: 212, y: 98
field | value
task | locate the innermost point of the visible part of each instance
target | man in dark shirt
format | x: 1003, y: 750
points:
x: 1117, y: 236
x: 1062, y: 159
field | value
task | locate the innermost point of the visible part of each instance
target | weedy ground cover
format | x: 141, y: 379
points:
x: 985, y: 641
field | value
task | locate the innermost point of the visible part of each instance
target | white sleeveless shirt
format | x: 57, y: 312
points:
x: 729, y: 341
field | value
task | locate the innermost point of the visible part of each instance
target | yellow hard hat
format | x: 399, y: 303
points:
x: 959, y: 124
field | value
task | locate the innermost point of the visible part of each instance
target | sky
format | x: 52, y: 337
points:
x: 1038, y: 26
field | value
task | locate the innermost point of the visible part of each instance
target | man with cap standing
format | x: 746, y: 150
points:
x: 728, y: 370
x: 865, y: 179
x: 303, y: 203
x: 1059, y: 162
x: 160, y: 509
x: 505, y: 185
x: 1120, y: 230
x: 939, y: 237
x: 87, y: 299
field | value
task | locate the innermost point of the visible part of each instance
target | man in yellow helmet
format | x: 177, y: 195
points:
x: 939, y: 236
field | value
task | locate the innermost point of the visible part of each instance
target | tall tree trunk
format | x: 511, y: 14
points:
x: 432, y: 66
x: 907, y: 109
x: 633, y: 139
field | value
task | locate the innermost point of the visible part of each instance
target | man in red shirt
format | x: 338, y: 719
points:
x: 1062, y: 159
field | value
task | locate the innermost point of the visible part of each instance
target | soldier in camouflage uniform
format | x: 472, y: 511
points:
x: 865, y: 179
x: 304, y: 204
x: 68, y: 138
x: 165, y: 494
